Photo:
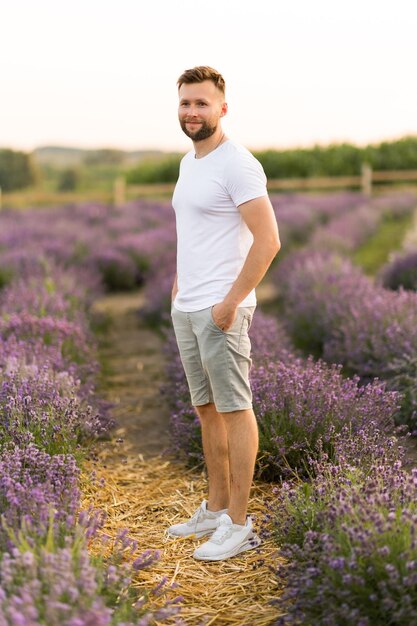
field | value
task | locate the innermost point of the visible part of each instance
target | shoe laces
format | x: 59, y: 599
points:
x: 195, y: 518
x: 223, y: 532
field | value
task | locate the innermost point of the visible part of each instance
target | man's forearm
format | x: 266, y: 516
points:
x: 259, y: 258
x: 174, y: 288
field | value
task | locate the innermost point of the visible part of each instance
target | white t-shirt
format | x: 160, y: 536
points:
x: 213, y: 241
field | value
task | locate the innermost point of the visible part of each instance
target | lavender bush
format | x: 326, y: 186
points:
x: 50, y: 309
x: 345, y: 318
x: 269, y: 340
x: 332, y: 289
x: 302, y: 403
x: 31, y: 482
x: 52, y: 270
x: 45, y: 411
x: 401, y: 271
x: 300, y: 503
x: 395, y: 203
x: 47, y: 576
x: 371, y: 336
x: 297, y: 219
x: 62, y: 585
x: 349, y: 537
x: 347, y: 231
x: 96, y: 239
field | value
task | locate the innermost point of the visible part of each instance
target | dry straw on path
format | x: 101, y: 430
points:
x: 146, y: 496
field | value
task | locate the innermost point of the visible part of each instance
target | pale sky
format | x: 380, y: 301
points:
x: 100, y: 73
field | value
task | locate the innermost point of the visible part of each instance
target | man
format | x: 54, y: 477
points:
x: 227, y: 237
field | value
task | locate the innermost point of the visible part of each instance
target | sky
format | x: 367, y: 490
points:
x: 102, y: 74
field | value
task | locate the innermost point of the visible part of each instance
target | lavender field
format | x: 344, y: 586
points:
x: 335, y: 393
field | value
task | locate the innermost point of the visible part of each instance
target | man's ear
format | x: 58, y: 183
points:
x: 224, y: 109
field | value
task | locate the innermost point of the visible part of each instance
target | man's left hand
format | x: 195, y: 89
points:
x: 223, y: 315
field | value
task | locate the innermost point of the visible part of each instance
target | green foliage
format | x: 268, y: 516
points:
x: 69, y: 179
x: 117, y: 277
x: 149, y: 171
x: 393, y: 155
x: 334, y: 160
x: 17, y: 170
x: 339, y: 159
x: 106, y: 156
x: 6, y: 276
x: 389, y: 237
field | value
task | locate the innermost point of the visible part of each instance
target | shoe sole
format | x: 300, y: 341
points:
x: 251, y: 543
x: 199, y: 535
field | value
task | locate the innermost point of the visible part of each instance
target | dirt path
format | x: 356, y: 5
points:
x: 132, y: 361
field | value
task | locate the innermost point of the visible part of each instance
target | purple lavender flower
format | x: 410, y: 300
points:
x: 346, y: 318
x: 348, y: 536
x: 32, y: 483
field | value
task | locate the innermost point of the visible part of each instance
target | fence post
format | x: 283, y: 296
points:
x: 366, y: 182
x: 119, y: 191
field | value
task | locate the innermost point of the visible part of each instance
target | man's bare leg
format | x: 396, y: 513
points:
x: 215, y: 448
x: 243, y: 440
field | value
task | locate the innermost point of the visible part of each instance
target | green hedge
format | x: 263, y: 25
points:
x: 333, y: 160
x: 158, y: 170
x: 17, y: 170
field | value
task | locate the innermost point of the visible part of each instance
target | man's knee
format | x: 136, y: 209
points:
x: 205, y: 411
x: 238, y: 415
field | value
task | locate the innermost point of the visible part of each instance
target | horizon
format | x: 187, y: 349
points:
x: 167, y: 151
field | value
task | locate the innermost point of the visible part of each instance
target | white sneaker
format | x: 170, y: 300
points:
x: 228, y: 540
x: 203, y: 522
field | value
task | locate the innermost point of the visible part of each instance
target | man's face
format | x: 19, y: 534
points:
x: 200, y: 108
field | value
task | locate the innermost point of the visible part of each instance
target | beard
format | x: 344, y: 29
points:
x: 204, y: 132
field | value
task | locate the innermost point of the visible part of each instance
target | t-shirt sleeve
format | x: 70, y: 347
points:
x: 244, y: 178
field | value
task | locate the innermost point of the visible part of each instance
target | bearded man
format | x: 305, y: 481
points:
x: 227, y: 236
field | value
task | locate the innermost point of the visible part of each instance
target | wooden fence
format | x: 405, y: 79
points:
x: 364, y: 182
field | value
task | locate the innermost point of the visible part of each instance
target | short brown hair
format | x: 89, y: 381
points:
x: 199, y: 74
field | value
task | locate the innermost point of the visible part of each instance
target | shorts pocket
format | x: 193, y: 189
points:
x: 213, y: 322
x: 244, y: 344
x: 249, y: 319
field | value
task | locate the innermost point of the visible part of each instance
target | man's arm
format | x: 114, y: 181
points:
x: 259, y: 216
x: 174, y: 288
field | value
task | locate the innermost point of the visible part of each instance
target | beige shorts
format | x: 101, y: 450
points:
x: 216, y: 362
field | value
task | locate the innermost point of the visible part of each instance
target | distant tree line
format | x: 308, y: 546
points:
x: 19, y: 170
x: 155, y: 170
x: 16, y: 170
x: 339, y: 159
x: 333, y: 160
x: 105, y: 156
